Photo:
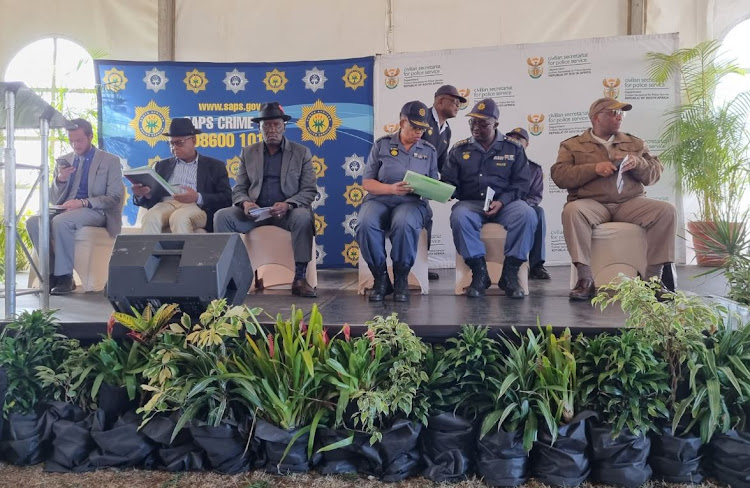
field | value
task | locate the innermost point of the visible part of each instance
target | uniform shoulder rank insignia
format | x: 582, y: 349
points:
x: 394, y: 151
x: 428, y: 144
x: 382, y: 138
x: 510, y: 139
x: 462, y: 142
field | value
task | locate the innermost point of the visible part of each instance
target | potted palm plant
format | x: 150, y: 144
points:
x: 706, y: 139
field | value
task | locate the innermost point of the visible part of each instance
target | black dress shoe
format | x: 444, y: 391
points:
x: 584, y: 290
x: 63, y: 285
x: 302, y: 288
x: 432, y: 276
x: 539, y: 273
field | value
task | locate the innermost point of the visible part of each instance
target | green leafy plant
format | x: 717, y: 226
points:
x: 116, y: 364
x: 144, y: 327
x: 706, y: 141
x: 557, y: 380
x: 472, y: 359
x: 27, y: 343
x: 189, y: 369
x: 22, y: 261
x: 71, y: 381
x: 512, y: 392
x: 379, y: 376
x: 623, y: 380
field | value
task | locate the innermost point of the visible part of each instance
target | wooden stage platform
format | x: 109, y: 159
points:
x: 435, y: 316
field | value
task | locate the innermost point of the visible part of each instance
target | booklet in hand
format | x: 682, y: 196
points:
x: 148, y: 177
x: 427, y: 187
x: 260, y: 213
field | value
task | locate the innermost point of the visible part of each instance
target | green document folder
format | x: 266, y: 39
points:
x: 427, y: 187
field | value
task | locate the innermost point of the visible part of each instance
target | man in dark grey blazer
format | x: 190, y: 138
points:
x: 275, y: 174
x: 88, y: 185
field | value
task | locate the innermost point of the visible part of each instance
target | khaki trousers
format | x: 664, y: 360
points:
x: 181, y: 218
x: 658, y: 218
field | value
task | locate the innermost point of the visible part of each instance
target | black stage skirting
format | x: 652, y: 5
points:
x: 433, y: 317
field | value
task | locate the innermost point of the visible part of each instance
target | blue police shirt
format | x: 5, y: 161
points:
x: 503, y: 167
x: 389, y: 160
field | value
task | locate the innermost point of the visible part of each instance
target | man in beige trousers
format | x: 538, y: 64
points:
x: 587, y: 166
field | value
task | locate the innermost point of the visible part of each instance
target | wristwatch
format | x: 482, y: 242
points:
x: 291, y: 205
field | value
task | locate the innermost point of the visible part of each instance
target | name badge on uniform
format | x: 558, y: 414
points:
x: 505, y: 157
x: 420, y: 156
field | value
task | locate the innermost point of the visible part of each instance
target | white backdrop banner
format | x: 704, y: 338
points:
x: 547, y: 89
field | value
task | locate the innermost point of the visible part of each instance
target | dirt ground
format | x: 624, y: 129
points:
x: 23, y: 477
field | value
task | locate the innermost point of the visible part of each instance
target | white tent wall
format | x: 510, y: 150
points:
x: 122, y: 30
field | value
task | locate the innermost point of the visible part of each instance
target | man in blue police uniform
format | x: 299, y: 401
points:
x: 445, y: 106
x: 537, y: 270
x: 390, y: 204
x: 490, y: 159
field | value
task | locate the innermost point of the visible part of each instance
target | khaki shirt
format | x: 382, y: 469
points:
x: 576, y: 163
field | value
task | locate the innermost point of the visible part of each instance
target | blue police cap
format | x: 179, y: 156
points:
x: 416, y: 112
x: 485, y: 109
x: 520, y: 132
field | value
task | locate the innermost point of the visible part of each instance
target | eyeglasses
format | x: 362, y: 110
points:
x: 614, y: 113
x: 179, y: 142
x: 452, y: 101
x: 479, y: 124
x: 416, y: 128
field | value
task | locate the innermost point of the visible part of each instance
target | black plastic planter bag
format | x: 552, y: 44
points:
x: 114, y: 401
x: 224, y: 446
x: 675, y: 459
x: 566, y: 462
x: 179, y: 455
x: 273, y: 443
x: 448, y: 444
x: 71, y: 439
x: 121, y: 445
x: 358, y: 457
x: 502, y: 458
x: 26, y: 438
x: 621, y: 461
x: 399, y: 450
x: 730, y: 458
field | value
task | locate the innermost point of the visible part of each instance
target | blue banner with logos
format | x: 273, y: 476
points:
x: 331, y: 104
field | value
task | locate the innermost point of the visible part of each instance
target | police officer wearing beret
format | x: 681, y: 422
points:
x: 537, y: 271
x: 490, y: 159
x: 390, y: 204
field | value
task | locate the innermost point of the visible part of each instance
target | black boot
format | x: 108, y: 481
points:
x: 400, y: 283
x: 509, y: 278
x: 480, y: 279
x: 382, y: 286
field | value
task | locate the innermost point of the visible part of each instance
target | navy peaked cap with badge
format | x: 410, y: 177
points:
x: 485, y: 109
x: 520, y: 132
x: 416, y: 112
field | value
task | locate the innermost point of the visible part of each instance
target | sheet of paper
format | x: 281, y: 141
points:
x: 620, y: 183
x: 262, y: 213
x: 489, y: 196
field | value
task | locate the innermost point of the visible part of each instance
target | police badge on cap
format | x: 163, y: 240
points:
x: 416, y: 113
x: 484, y: 109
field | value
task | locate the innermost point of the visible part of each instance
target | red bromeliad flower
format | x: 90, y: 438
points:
x: 370, y: 335
x: 303, y: 326
x: 325, y: 336
x: 270, y: 345
x: 347, y: 332
x: 111, y: 326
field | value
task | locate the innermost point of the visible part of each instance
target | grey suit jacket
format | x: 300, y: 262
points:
x: 297, y: 174
x: 105, y: 188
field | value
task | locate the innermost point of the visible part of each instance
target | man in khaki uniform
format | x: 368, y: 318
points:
x: 587, y: 166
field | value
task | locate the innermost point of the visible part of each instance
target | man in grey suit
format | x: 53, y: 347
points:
x: 88, y: 186
x: 277, y: 174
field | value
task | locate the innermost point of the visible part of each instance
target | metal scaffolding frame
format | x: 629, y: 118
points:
x: 24, y: 109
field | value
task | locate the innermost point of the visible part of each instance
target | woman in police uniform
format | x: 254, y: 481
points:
x: 390, y: 204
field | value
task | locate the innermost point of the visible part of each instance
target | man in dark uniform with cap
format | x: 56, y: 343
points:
x: 490, y: 159
x: 390, y: 204
x: 534, y: 198
x: 444, y: 107
x: 276, y: 173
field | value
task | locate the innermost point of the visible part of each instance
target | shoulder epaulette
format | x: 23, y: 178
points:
x: 381, y: 138
x: 428, y: 144
x: 462, y: 142
x: 510, y: 139
x: 634, y: 137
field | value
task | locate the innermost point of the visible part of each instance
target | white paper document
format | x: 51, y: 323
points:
x: 489, y: 196
x: 620, y: 183
x: 262, y: 213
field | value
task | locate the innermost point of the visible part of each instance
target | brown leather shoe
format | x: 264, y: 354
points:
x: 302, y: 288
x: 584, y: 290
